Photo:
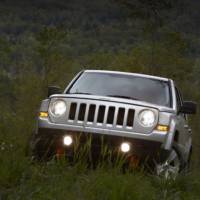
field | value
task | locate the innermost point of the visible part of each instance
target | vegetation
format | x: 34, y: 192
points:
x: 46, y: 42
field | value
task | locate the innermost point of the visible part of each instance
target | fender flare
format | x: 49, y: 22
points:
x: 170, y: 136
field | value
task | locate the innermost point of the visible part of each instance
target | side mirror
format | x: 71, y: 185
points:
x: 188, y: 107
x: 53, y: 90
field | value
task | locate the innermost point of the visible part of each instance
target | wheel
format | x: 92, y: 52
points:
x: 170, y: 168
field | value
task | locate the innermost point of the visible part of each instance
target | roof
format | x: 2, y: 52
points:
x: 128, y: 73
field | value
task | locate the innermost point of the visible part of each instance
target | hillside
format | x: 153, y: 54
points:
x: 46, y: 42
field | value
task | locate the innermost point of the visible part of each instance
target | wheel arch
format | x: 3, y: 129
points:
x: 171, y: 135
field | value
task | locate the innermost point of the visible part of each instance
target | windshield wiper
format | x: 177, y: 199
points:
x: 81, y: 93
x: 124, y: 97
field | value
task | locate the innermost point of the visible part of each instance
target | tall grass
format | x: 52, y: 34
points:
x: 21, y: 179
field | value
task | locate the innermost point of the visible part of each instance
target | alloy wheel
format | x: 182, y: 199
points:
x: 171, y: 167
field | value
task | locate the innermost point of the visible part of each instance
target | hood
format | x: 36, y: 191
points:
x: 115, y: 99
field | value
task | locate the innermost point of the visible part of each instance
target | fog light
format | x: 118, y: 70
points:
x: 125, y: 147
x: 67, y: 140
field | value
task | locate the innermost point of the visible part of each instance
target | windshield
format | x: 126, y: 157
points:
x: 123, y: 86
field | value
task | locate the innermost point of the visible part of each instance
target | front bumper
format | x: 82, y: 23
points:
x: 143, y: 146
x: 156, y: 136
x: 141, y: 151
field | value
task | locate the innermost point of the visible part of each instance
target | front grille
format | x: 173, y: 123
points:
x: 91, y: 113
x: 81, y: 113
x: 101, y: 114
x: 72, y: 111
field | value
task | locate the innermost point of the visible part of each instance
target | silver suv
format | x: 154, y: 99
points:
x: 138, y: 115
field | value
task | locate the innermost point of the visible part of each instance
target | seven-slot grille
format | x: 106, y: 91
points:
x: 101, y: 115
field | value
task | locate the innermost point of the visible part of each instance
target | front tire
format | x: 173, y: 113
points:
x: 171, y: 166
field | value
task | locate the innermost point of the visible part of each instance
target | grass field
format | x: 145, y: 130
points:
x: 22, y: 179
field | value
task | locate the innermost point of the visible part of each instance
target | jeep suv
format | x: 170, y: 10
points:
x: 138, y: 115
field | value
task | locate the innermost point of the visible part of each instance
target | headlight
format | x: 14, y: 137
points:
x: 58, y: 108
x: 147, y: 118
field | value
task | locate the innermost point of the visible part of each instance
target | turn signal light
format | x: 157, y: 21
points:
x: 162, y: 128
x: 43, y: 114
